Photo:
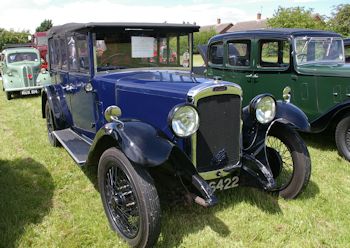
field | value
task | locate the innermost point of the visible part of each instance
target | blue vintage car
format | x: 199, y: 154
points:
x: 125, y: 100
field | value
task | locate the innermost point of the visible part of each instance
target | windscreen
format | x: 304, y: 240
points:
x: 19, y: 57
x: 138, y: 49
x: 319, y: 49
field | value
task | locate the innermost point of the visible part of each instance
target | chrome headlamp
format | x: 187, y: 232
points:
x: 183, y: 120
x: 264, y: 108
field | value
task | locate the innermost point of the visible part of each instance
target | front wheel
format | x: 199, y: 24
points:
x: 289, y: 160
x: 129, y: 198
x: 342, y: 137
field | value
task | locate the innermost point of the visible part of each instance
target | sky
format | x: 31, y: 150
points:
x: 28, y: 14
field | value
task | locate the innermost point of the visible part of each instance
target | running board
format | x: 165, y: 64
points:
x: 75, y: 145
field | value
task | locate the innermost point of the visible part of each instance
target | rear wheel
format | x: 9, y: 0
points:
x: 289, y: 160
x: 342, y: 137
x: 50, y: 126
x: 129, y: 198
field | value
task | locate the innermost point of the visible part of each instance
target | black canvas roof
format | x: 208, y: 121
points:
x: 277, y: 32
x: 91, y: 26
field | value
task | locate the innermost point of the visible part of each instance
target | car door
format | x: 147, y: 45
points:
x: 82, y: 100
x: 272, y: 72
x: 239, y: 65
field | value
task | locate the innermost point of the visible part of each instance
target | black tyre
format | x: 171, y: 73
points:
x: 8, y: 95
x: 50, y: 124
x: 129, y: 198
x: 342, y: 137
x: 289, y: 160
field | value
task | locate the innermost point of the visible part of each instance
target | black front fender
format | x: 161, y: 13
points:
x: 288, y: 113
x: 137, y: 140
x: 141, y: 144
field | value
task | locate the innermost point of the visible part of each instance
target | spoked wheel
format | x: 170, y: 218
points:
x: 50, y: 126
x: 342, y: 137
x: 289, y: 160
x: 129, y: 198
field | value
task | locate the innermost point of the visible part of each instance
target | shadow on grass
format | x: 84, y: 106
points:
x: 323, y: 141
x: 179, y: 221
x: 26, y: 190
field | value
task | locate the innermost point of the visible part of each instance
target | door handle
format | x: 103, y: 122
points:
x: 255, y: 76
x: 249, y: 76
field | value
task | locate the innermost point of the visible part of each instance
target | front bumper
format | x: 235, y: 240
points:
x: 24, y: 88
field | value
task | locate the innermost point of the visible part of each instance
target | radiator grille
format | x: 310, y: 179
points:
x: 218, y: 137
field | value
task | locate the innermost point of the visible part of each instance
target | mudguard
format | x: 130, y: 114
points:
x: 53, y: 94
x: 137, y: 140
x: 142, y: 144
x: 323, y: 121
x: 287, y: 113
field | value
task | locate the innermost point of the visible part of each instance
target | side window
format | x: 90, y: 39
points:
x: 64, y: 58
x: 239, y: 53
x: 72, y: 54
x: 216, y: 53
x: 54, y: 53
x: 83, y: 52
x: 347, y: 53
x: 274, y: 53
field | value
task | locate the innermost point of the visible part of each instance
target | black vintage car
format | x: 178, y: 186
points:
x: 124, y: 99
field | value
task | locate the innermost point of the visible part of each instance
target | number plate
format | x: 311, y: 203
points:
x: 29, y: 92
x: 224, y: 183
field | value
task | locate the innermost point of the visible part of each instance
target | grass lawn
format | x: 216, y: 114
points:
x: 46, y: 200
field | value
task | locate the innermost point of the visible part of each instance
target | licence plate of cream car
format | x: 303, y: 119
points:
x: 29, y: 92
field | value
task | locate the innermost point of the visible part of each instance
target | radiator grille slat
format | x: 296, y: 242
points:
x: 218, y: 137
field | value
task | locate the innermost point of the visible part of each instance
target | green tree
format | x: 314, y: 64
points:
x: 296, y: 17
x: 201, y: 38
x: 44, y: 26
x: 340, y: 20
x: 12, y: 37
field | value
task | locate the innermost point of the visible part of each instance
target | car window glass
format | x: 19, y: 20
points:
x: 23, y: 56
x: 347, y: 54
x: 319, y: 49
x: 72, y: 54
x: 274, y: 53
x: 239, y: 53
x: 64, y: 58
x: 138, y: 49
x: 83, y: 52
x: 54, y: 53
x: 216, y: 53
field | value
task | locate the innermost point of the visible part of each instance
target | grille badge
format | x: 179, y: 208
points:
x: 220, y: 158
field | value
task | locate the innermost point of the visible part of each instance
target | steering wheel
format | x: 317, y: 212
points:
x: 301, y: 56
